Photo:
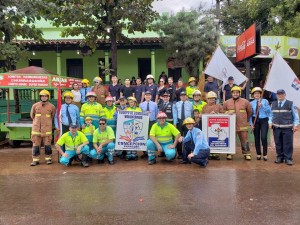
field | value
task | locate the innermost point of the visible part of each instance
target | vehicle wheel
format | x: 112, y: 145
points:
x: 15, y: 144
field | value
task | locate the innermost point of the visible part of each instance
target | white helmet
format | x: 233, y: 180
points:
x: 149, y: 76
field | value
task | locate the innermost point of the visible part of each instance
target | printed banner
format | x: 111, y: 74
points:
x: 24, y: 80
x: 220, y: 132
x: 132, y: 131
x: 65, y: 82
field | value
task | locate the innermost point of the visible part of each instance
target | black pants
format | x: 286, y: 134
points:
x: 283, y: 138
x: 200, y: 159
x: 261, y: 129
x: 183, y: 131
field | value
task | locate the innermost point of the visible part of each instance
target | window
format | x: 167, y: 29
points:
x: 75, y: 68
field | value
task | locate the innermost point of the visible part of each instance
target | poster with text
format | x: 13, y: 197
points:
x: 132, y: 131
x: 220, y: 132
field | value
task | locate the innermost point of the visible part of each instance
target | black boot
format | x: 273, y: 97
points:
x: 84, y: 162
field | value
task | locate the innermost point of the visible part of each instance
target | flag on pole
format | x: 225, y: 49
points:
x: 221, y: 67
x: 281, y: 76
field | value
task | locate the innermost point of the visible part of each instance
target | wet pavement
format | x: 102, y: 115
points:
x: 226, y: 192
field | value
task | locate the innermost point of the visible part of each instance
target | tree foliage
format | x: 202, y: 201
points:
x: 240, y: 14
x: 16, y: 20
x: 101, y: 19
x: 188, y: 37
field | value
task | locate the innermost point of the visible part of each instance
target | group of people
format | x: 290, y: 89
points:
x: 88, y: 126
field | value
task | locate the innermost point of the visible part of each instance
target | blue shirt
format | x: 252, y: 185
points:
x: 211, y: 86
x: 153, y: 89
x: 138, y: 91
x: 264, y: 110
x: 188, y: 110
x: 83, y: 92
x: 115, y: 90
x: 74, y: 113
x: 152, y: 108
x: 198, y: 138
x: 294, y: 114
x: 121, y: 108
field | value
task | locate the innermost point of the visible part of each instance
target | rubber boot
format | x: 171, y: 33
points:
x: 84, y: 162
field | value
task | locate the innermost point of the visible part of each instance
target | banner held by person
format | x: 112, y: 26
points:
x: 132, y: 131
x: 281, y: 76
x: 221, y: 67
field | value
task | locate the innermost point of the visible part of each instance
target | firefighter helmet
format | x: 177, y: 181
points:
x: 211, y: 94
x: 191, y: 79
x: 149, y: 76
x: 236, y: 88
x: 109, y: 98
x: 68, y: 94
x: 97, y: 79
x: 132, y: 99
x: 88, y: 118
x: 188, y: 120
x: 91, y: 93
x: 45, y: 92
x: 161, y: 115
x: 85, y: 81
x: 197, y: 92
x: 256, y: 89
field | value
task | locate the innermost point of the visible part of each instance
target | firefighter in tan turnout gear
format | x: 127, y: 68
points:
x: 242, y: 109
x: 42, y: 114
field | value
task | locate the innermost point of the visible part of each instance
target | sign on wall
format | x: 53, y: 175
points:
x: 220, y: 132
x: 24, y: 80
x: 132, y: 131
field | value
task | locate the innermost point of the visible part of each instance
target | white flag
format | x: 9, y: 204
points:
x: 221, y: 67
x: 281, y: 76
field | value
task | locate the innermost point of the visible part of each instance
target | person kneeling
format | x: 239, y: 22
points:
x: 196, y: 148
x: 75, y: 143
x: 161, y: 139
x: 103, y: 142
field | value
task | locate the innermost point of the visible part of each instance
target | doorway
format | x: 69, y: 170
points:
x: 144, y: 67
x: 75, y: 68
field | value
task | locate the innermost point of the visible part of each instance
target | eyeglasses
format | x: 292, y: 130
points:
x: 97, y: 82
x: 102, y: 123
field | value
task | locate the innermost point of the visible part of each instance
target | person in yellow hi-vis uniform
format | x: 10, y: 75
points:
x: 242, y: 109
x: 134, y: 108
x: 91, y: 109
x: 198, y: 103
x: 191, y: 88
x: 161, y: 139
x: 109, y: 111
x: 42, y: 114
x: 88, y: 131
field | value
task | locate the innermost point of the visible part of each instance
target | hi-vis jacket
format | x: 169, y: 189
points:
x: 42, y: 115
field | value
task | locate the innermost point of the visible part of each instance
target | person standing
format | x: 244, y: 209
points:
x: 196, y: 148
x: 114, y: 89
x: 179, y: 89
x: 191, y: 88
x: 109, y: 111
x: 211, y: 85
x: 227, y: 89
x: 69, y: 114
x: 84, y: 90
x: 161, y: 139
x: 161, y: 90
x: 260, y: 113
x: 100, y: 90
x: 167, y: 107
x: 182, y: 110
x: 150, y: 86
x: 42, y: 114
x: 127, y: 90
x: 242, y: 109
x: 139, y: 90
x: 197, y: 102
x: 171, y: 89
x: 77, y: 95
x: 284, y: 120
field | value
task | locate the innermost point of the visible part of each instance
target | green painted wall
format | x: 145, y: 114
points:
x: 127, y: 63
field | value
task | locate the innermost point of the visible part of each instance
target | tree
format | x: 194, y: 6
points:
x: 102, y: 19
x: 188, y: 37
x: 16, y: 20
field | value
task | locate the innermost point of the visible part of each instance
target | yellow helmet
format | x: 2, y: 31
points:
x: 45, y: 92
x: 211, y: 94
x: 188, y: 120
x: 97, y: 79
x: 85, y: 81
x: 192, y: 79
x: 197, y: 92
x: 132, y: 98
x: 88, y: 118
x: 256, y: 89
x: 68, y: 94
x: 236, y: 88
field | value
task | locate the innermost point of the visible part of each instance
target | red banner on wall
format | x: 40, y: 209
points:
x: 64, y: 82
x: 24, y: 80
x: 246, y: 44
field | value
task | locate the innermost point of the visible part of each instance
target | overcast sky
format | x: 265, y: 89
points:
x: 177, y: 5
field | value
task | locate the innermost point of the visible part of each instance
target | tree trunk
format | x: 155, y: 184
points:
x: 114, y: 51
